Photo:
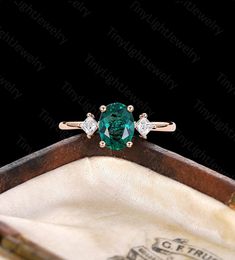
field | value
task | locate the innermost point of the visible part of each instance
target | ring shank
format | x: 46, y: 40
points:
x: 70, y: 125
x: 163, y: 126
x: 155, y: 126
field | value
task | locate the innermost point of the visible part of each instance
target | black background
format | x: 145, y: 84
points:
x: 68, y: 85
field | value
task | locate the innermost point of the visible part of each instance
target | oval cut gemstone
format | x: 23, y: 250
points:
x: 116, y: 126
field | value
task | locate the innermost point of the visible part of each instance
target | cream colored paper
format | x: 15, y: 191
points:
x: 106, y: 208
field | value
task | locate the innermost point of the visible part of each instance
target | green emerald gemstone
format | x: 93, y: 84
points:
x: 116, y: 126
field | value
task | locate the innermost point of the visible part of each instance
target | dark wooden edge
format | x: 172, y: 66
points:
x: 15, y: 246
x: 144, y: 153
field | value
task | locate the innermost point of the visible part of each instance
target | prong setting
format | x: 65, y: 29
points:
x: 90, y: 115
x: 143, y: 115
x: 116, y: 126
x: 102, y: 108
x: 129, y: 144
x: 102, y: 144
x: 130, y: 108
x: 143, y: 126
x: 89, y: 125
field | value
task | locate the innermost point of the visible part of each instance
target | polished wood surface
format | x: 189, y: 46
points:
x: 144, y: 153
x: 14, y: 246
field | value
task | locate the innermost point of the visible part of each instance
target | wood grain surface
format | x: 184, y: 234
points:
x: 144, y: 153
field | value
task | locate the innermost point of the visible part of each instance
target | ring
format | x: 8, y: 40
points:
x: 116, y: 126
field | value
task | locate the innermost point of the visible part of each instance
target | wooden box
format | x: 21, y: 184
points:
x: 14, y: 245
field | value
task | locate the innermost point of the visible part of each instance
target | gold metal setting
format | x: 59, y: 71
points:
x: 130, y: 108
x: 129, y: 144
x: 102, y: 108
x: 90, y: 126
x: 102, y: 144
